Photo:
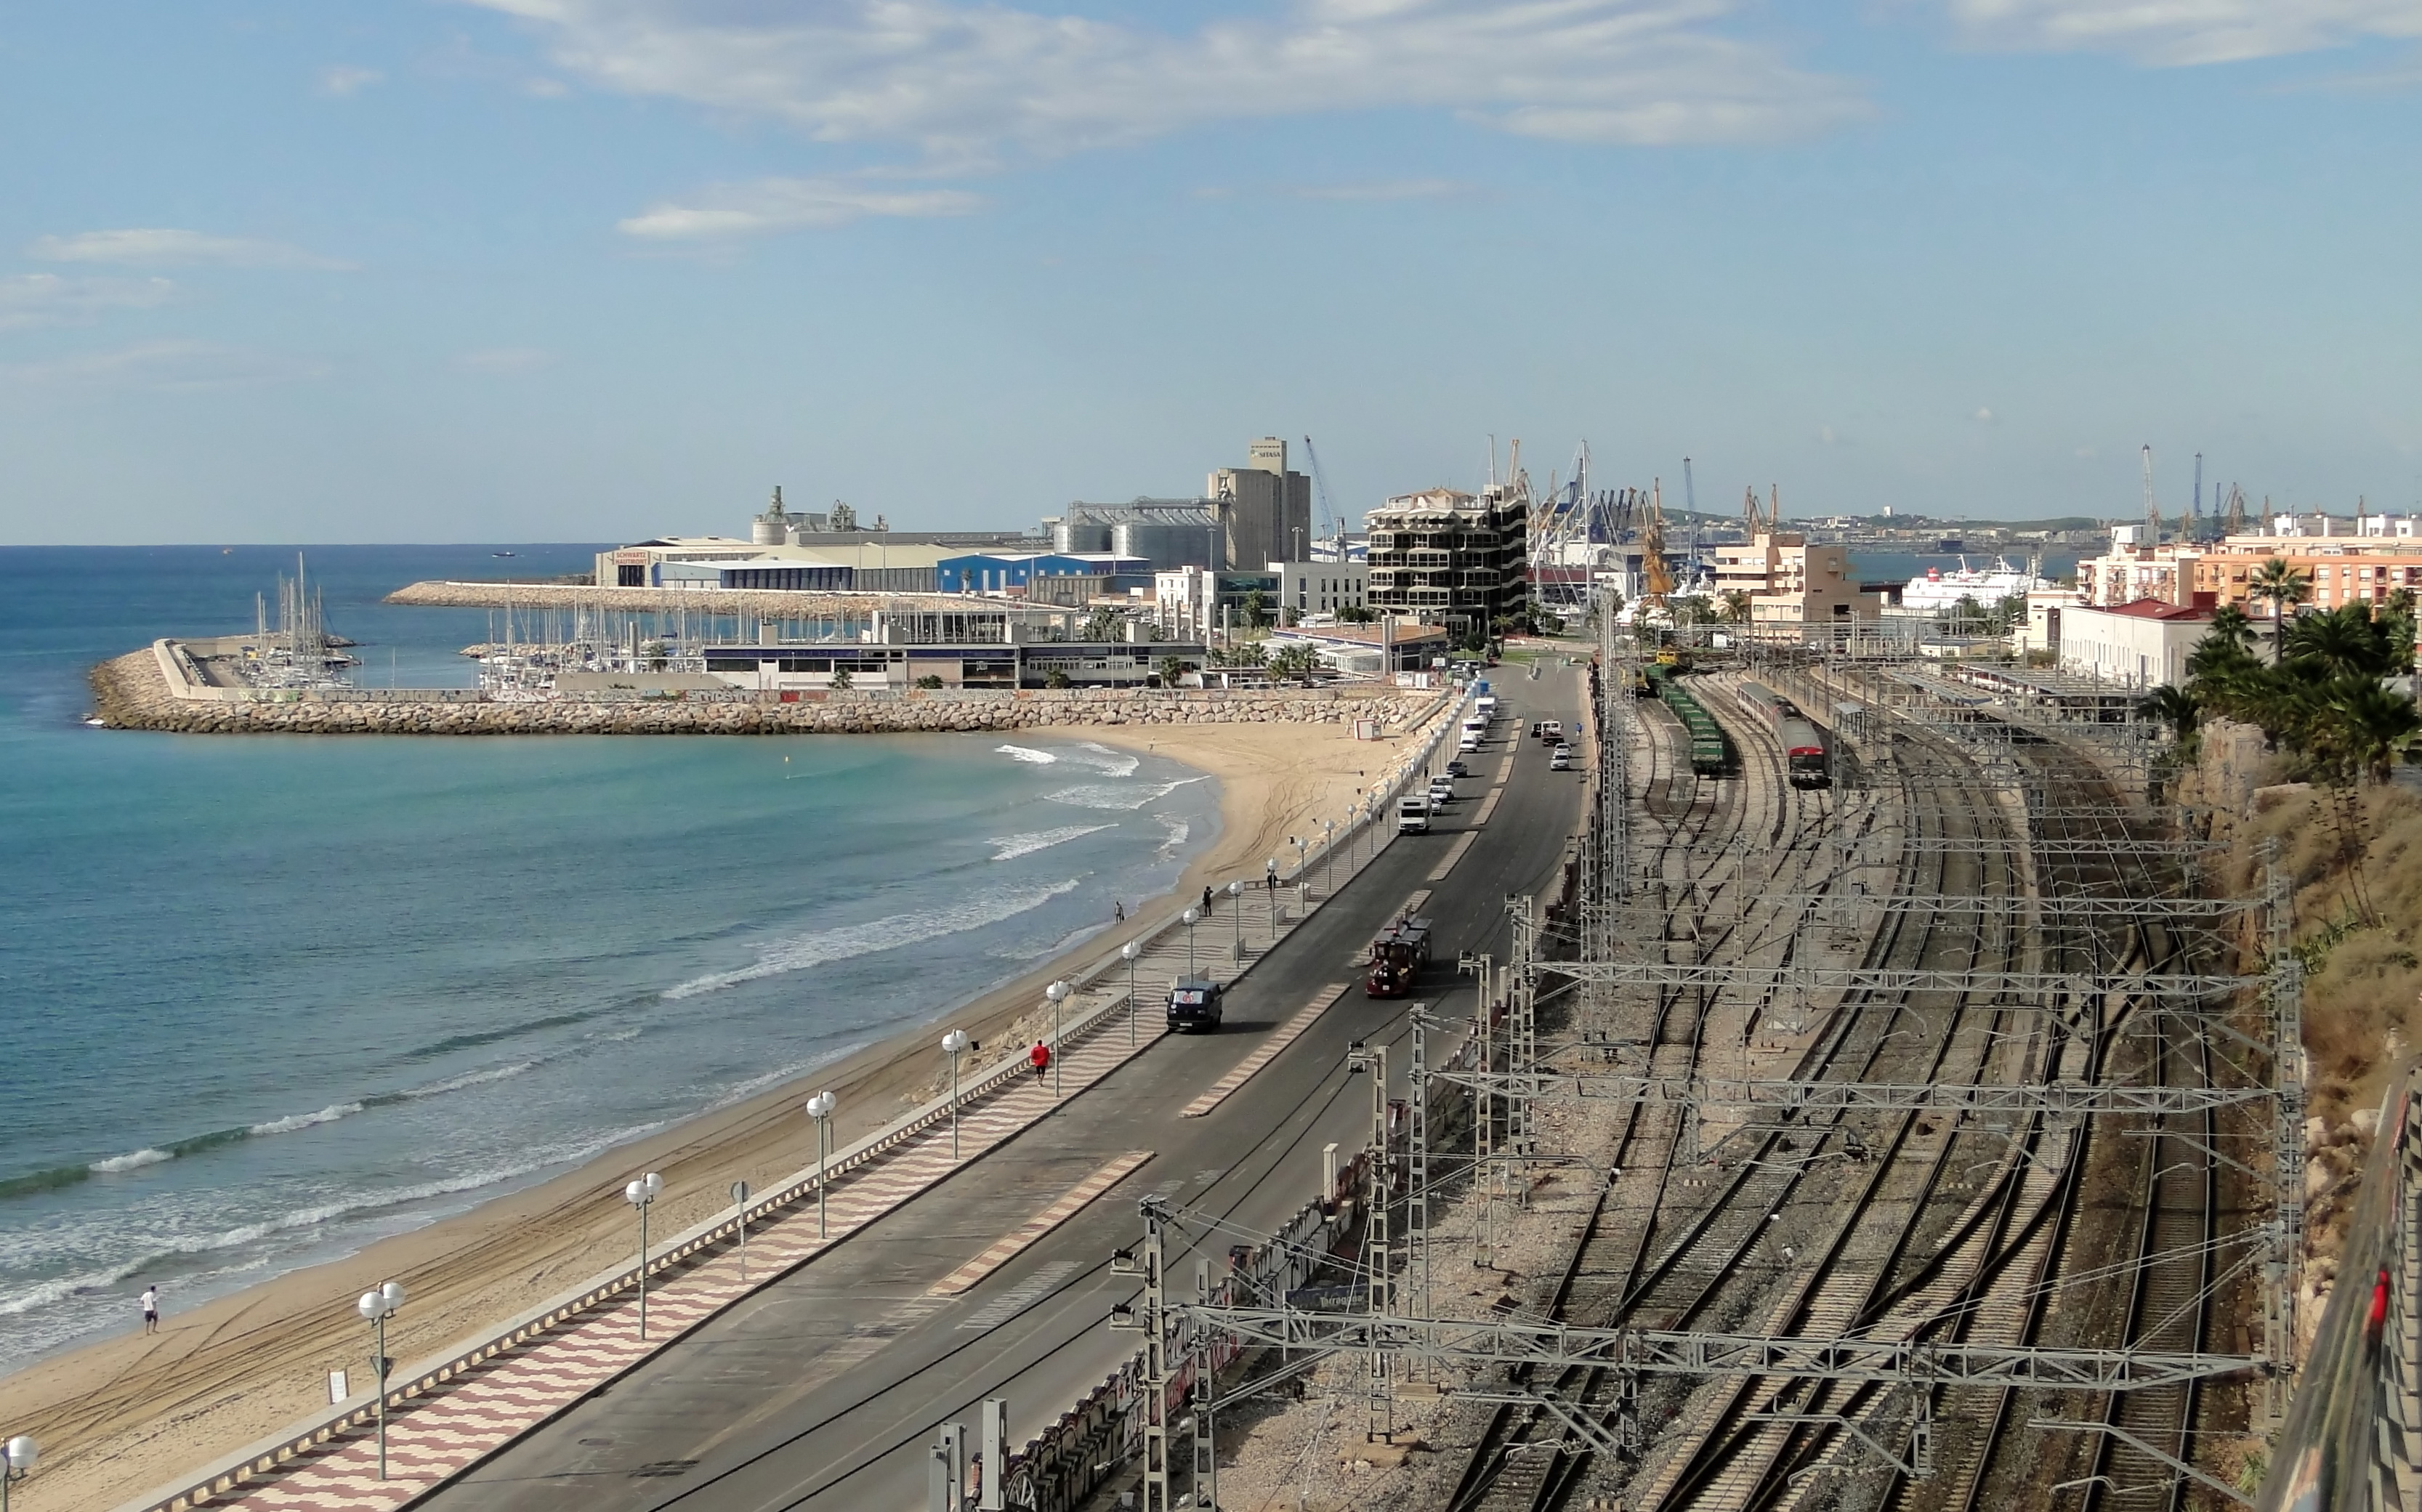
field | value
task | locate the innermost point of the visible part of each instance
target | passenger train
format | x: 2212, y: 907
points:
x: 1806, y: 758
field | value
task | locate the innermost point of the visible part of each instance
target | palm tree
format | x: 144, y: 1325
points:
x: 2369, y: 728
x: 2283, y: 586
x: 2172, y: 705
x: 2341, y: 642
x: 2229, y: 623
x: 1736, y: 609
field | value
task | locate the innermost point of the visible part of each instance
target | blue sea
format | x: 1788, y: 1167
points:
x: 265, y: 1000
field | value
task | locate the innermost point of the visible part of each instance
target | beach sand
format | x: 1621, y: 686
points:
x: 121, y: 1417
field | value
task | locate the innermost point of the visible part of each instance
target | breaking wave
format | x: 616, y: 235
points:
x: 1103, y: 796
x: 817, y: 947
x: 1014, y: 846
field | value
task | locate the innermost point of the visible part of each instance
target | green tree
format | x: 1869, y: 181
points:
x: 2173, y: 706
x: 1357, y: 614
x: 930, y: 682
x: 843, y: 681
x: 2368, y: 728
x: 2340, y: 642
x: 1295, y: 659
x: 1056, y: 677
x: 1102, y: 624
x: 1257, y: 610
x: 1736, y: 606
x: 2283, y: 587
x: 2229, y: 623
x: 1170, y: 669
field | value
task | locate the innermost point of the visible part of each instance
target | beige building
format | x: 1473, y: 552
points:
x: 1791, y: 583
x: 1451, y: 558
x: 1310, y: 588
x: 1264, y: 510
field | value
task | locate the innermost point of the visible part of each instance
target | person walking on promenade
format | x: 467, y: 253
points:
x: 1039, y: 1058
x: 152, y: 1308
x: 1206, y: 900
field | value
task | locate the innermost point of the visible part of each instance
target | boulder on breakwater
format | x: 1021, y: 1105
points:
x: 133, y: 692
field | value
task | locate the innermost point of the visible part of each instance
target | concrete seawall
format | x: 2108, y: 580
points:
x: 135, y: 692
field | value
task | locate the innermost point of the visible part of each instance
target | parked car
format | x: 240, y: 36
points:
x: 1561, y: 759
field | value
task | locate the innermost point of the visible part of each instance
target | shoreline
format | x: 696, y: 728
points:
x: 123, y: 1414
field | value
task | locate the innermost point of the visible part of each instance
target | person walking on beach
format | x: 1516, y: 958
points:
x: 1118, y: 910
x: 1039, y: 1058
x: 152, y: 1308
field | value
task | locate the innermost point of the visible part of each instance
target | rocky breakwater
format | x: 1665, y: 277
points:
x: 136, y: 692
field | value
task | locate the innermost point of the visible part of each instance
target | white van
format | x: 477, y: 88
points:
x: 1413, y: 815
x: 1470, y: 741
x: 1485, y: 706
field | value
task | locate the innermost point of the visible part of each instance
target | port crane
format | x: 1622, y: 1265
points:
x: 1330, y: 521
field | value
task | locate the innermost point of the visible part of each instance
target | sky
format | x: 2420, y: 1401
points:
x: 584, y: 269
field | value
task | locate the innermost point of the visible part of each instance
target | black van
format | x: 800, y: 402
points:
x: 1194, y: 1003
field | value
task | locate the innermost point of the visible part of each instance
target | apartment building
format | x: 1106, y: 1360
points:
x: 1453, y: 558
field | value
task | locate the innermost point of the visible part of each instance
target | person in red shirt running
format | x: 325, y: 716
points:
x: 1039, y: 1058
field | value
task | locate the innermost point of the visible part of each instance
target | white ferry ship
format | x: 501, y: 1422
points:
x: 1938, y: 590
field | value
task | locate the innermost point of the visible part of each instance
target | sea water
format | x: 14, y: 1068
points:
x: 264, y: 999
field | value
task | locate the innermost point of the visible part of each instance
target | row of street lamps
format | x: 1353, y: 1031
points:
x: 18, y: 1454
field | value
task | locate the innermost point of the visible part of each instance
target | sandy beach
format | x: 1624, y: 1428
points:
x: 122, y: 1416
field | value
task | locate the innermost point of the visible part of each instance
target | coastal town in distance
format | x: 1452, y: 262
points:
x: 1754, y: 1022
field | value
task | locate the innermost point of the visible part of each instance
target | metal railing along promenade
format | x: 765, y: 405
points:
x: 2352, y: 1440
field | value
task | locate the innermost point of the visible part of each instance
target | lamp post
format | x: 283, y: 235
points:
x: 1058, y: 992
x: 376, y: 1307
x: 17, y: 1459
x: 1189, y: 916
x: 1236, y: 913
x: 819, y: 1108
x: 1328, y: 859
x: 1302, y: 864
x: 641, y: 1194
x: 954, y: 1043
x: 1128, y: 952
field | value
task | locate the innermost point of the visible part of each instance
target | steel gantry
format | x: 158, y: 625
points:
x: 2057, y: 1098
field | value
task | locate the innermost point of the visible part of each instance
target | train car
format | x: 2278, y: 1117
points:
x: 1711, y: 752
x: 1771, y: 707
x: 1804, y: 754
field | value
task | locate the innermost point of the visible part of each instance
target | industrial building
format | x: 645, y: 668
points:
x: 867, y: 565
x: 1169, y: 533
x: 1451, y: 558
x: 2139, y: 645
x: 1387, y: 647
x: 1014, y: 573
x: 1264, y: 508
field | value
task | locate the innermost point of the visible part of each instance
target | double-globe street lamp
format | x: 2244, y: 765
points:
x: 954, y: 1045
x: 1058, y: 992
x: 641, y: 1194
x: 1128, y: 952
x: 1237, y: 912
x: 376, y: 1306
x: 17, y: 1459
x: 819, y: 1108
x: 1189, y: 916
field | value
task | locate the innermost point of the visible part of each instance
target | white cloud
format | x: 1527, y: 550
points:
x: 505, y: 359
x: 970, y: 84
x: 29, y: 299
x: 159, y: 246
x: 342, y: 79
x: 1983, y: 416
x: 2178, y: 33
x: 170, y: 365
x: 788, y: 204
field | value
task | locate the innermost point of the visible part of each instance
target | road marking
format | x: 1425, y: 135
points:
x: 1455, y: 854
x: 1014, y: 1242
x: 993, y: 1313
x: 1267, y: 1051
x: 1488, y: 807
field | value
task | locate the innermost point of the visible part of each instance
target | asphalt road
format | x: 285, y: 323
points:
x: 823, y: 1388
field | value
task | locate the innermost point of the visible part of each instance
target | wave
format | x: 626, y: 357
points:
x: 26, y: 1299
x: 1175, y: 830
x: 489, y: 1036
x: 1026, y: 753
x: 289, y: 1124
x: 1049, y: 948
x: 873, y: 937
x: 1109, y: 763
x: 1102, y: 795
x: 468, y: 1079
x: 135, y: 1162
x: 1014, y: 846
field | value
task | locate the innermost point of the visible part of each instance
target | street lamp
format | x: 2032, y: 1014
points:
x: 639, y: 1194
x: 819, y: 1108
x: 1327, y: 858
x: 1058, y: 992
x: 954, y: 1043
x: 376, y: 1307
x: 1189, y: 916
x: 1128, y: 952
x: 1236, y: 913
x: 17, y: 1459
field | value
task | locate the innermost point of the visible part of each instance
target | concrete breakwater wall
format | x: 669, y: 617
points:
x: 773, y: 603
x: 135, y: 692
